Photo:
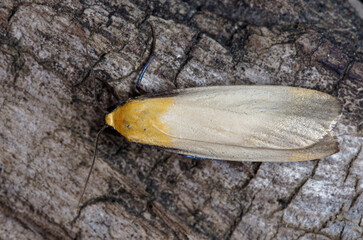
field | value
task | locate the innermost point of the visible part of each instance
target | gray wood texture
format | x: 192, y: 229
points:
x: 48, y: 119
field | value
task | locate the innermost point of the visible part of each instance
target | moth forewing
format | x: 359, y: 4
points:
x: 234, y: 122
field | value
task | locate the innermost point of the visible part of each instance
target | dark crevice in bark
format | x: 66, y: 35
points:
x: 237, y: 220
x: 89, y: 70
x: 331, y: 219
x: 348, y: 169
x: 109, y: 18
x: 188, y: 54
x: 279, y: 224
x: 286, y: 201
x: 341, y: 232
x: 152, y: 209
x: 241, y: 213
x: 13, y: 12
x: 357, y: 194
x: 343, y: 76
x: 33, y: 226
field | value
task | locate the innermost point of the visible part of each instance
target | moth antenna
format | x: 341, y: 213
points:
x: 151, y: 57
x: 93, y: 163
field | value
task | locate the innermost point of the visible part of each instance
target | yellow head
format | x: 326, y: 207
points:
x: 140, y: 120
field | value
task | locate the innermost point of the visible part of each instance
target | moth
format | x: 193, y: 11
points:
x: 236, y: 123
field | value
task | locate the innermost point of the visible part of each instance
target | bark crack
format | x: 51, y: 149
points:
x: 345, y: 73
x: 348, y: 169
x: 332, y: 218
x: 30, y: 224
x: 286, y: 202
x: 188, y: 55
x: 12, y: 13
x: 341, y: 232
x: 237, y: 220
x: 241, y: 213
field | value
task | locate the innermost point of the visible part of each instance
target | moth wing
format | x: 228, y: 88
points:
x: 235, y: 122
x: 325, y: 147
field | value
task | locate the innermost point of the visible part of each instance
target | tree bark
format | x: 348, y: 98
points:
x: 50, y: 50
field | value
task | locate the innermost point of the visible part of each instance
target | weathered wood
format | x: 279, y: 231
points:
x: 48, y: 120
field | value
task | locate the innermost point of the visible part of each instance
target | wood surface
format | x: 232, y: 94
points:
x: 49, y: 119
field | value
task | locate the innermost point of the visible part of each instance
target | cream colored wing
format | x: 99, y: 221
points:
x: 255, y: 123
x: 323, y: 148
